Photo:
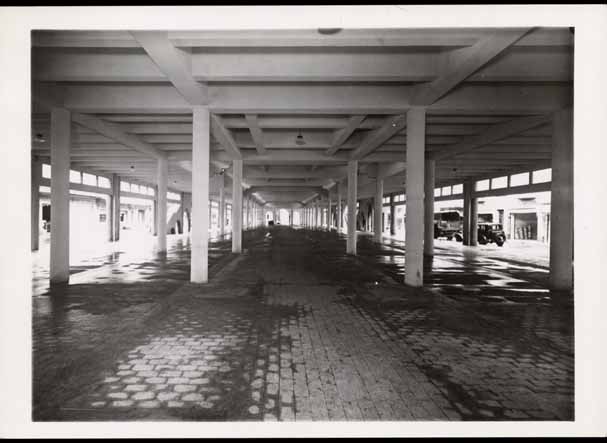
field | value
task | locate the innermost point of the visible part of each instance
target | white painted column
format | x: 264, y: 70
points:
x: 199, y: 263
x: 61, y: 140
x: 429, y: 207
x: 352, y: 193
x: 162, y: 177
x: 379, y: 196
x: 468, y: 188
x: 329, y: 215
x: 155, y: 210
x: 414, y: 222
x: 291, y: 218
x: 561, y: 202
x: 339, y: 216
x: 473, y: 221
x: 222, y: 204
x: 35, y: 203
x: 115, y: 210
x: 237, y: 206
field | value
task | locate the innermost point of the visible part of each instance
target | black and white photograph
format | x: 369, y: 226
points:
x: 230, y: 216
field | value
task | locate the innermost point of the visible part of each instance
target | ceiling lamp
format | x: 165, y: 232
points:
x: 299, y: 140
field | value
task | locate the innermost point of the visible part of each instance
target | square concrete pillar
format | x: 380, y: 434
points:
x: 199, y: 263
x: 162, y: 177
x: 36, y: 172
x: 222, y: 204
x: 61, y: 140
x: 414, y: 221
x: 379, y: 196
x: 155, y: 211
x: 561, y: 202
x: 115, y: 209
x: 473, y: 221
x: 468, y: 190
x: 339, y: 209
x: 237, y: 206
x: 392, y: 215
x: 352, y: 197
x: 429, y: 207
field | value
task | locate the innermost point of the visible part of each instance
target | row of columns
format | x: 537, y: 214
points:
x: 419, y: 229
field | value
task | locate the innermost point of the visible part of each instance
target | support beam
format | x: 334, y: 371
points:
x: 174, y: 63
x: 225, y: 139
x: 343, y: 134
x: 115, y: 210
x: 36, y: 172
x: 377, y: 211
x: 414, y: 222
x: 60, y: 195
x: 115, y: 132
x: 256, y: 133
x: 429, y: 176
x: 199, y: 264
x: 379, y: 136
x: 237, y: 206
x: 352, y: 191
x: 466, y: 62
x: 561, y: 202
x: 491, y: 135
x: 161, y: 197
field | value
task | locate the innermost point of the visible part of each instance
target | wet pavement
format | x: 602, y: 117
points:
x: 294, y: 329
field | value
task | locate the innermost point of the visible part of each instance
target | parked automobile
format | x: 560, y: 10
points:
x: 491, y: 233
x: 448, y: 224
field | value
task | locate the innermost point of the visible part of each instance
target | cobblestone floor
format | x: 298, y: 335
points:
x: 294, y: 329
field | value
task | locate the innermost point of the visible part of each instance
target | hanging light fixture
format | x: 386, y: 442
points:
x: 299, y: 140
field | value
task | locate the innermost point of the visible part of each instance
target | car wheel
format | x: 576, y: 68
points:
x: 458, y: 237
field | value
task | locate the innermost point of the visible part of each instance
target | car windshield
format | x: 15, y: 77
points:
x: 497, y: 227
x: 449, y: 216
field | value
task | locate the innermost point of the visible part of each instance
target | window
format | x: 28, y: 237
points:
x: 499, y: 182
x: 89, y: 179
x: 134, y: 188
x: 151, y: 191
x: 46, y: 170
x: 482, y: 185
x: 75, y: 176
x: 519, y: 179
x: 542, y: 176
x: 173, y: 196
x: 46, y: 189
x: 458, y: 189
x: 125, y: 186
x: 103, y: 182
x: 437, y: 192
x: 446, y: 190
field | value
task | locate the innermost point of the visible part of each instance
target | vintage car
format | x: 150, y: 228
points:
x: 491, y: 233
x: 448, y: 224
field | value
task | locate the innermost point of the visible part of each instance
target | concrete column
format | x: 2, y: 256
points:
x: 414, y: 222
x: 468, y: 189
x: 339, y: 215
x: 561, y: 202
x: 180, y: 213
x: 379, y: 196
x: 35, y: 203
x: 155, y: 210
x: 429, y: 208
x: 291, y: 218
x: 162, y: 177
x: 473, y: 222
x: 352, y: 192
x: 61, y: 140
x: 199, y: 263
x: 329, y: 214
x: 392, y: 215
x: 237, y: 206
x: 222, y: 204
x: 115, y: 210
